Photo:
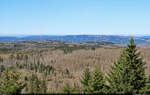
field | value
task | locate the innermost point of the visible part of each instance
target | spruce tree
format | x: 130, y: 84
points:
x: 97, y: 83
x: 127, y: 75
x: 43, y: 87
x: 1, y: 59
x: 67, y: 89
x: 9, y: 83
x: 85, y: 80
x: 34, y: 84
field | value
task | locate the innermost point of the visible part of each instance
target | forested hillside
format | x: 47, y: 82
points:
x: 51, y: 67
x: 79, y: 38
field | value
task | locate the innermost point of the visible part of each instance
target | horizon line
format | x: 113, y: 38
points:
x: 23, y: 35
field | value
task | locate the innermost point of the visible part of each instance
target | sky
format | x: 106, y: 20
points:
x: 74, y: 17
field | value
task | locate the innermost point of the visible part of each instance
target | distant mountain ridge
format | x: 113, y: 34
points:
x: 80, y: 38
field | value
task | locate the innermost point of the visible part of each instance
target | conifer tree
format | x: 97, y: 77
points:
x: 1, y: 59
x: 67, y: 89
x: 9, y: 83
x: 43, y: 87
x: 2, y: 68
x: 97, y: 83
x: 85, y: 80
x: 34, y: 86
x: 127, y: 75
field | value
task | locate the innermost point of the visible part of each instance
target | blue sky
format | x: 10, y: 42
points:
x: 64, y: 17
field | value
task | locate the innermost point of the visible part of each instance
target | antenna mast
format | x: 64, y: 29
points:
x: 40, y: 32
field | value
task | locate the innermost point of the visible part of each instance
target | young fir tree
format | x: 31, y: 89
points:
x: 96, y: 83
x: 43, y: 87
x: 127, y: 75
x: 34, y: 85
x: 85, y: 80
x: 9, y: 83
x: 67, y: 89
x: 1, y: 59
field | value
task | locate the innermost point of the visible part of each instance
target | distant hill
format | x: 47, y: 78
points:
x: 80, y: 38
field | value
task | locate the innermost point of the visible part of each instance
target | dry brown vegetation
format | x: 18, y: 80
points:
x: 77, y: 61
x: 69, y: 67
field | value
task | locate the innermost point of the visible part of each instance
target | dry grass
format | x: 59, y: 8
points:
x: 77, y: 61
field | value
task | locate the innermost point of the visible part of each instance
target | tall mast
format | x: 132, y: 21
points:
x: 41, y: 32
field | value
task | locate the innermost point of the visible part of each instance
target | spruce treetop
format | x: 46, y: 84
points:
x: 127, y: 75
